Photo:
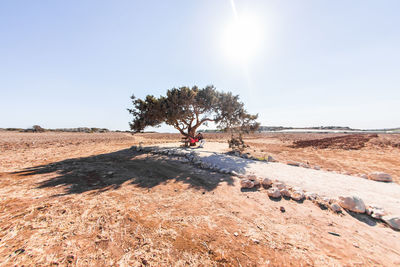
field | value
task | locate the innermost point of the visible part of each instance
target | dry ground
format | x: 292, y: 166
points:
x: 86, y: 199
x: 344, y: 153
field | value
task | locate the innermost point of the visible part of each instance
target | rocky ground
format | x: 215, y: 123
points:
x: 88, y: 199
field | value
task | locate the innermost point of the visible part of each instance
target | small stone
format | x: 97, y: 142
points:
x: 285, y: 193
x: 375, y: 212
x: 353, y: 203
x: 364, y: 176
x: 392, y: 221
x: 271, y: 159
x: 245, y: 183
x: 378, y: 214
x: 282, y: 209
x: 266, y: 182
x: 235, y: 234
x: 356, y: 245
x: 256, y: 241
x: 293, y: 163
x: 381, y: 177
x: 279, y: 185
x: 335, y: 207
x: 310, y: 196
x: 304, y: 165
x: 256, y: 183
x: 297, y: 195
x: 274, y: 193
x: 317, y: 168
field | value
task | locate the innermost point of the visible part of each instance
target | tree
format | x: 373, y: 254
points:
x: 186, y: 109
x: 37, y: 128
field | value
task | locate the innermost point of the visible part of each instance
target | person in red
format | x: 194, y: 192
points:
x: 193, y: 141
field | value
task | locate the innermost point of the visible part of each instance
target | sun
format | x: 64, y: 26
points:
x: 242, y: 38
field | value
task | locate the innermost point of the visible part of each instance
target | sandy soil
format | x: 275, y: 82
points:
x: 87, y: 199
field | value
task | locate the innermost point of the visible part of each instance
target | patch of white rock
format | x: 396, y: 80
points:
x: 276, y: 189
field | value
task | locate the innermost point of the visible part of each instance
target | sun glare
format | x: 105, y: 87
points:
x: 242, y: 39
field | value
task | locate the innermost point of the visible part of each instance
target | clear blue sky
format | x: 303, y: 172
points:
x: 76, y: 63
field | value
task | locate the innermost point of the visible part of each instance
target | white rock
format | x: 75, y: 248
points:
x: 226, y: 171
x: 293, y: 163
x: 245, y: 183
x: 279, y: 185
x: 284, y: 192
x: 352, y: 203
x: 310, y: 196
x: 304, y: 165
x: 266, y: 182
x: 335, y: 207
x: 375, y: 212
x: 205, y: 165
x: 378, y: 214
x: 380, y: 176
x: 273, y: 192
x: 254, y: 179
x: 392, y: 221
x: 297, y: 195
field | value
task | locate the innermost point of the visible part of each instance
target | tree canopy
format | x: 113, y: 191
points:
x: 186, y: 109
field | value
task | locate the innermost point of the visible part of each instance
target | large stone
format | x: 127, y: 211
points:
x: 380, y: 176
x: 297, y: 195
x: 266, y: 182
x: 392, y: 221
x: 353, y: 203
x: 245, y: 183
x: 274, y: 192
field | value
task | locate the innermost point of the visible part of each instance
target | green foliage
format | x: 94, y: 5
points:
x: 186, y: 109
x: 37, y: 128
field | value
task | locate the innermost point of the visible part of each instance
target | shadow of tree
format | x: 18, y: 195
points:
x: 109, y: 171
